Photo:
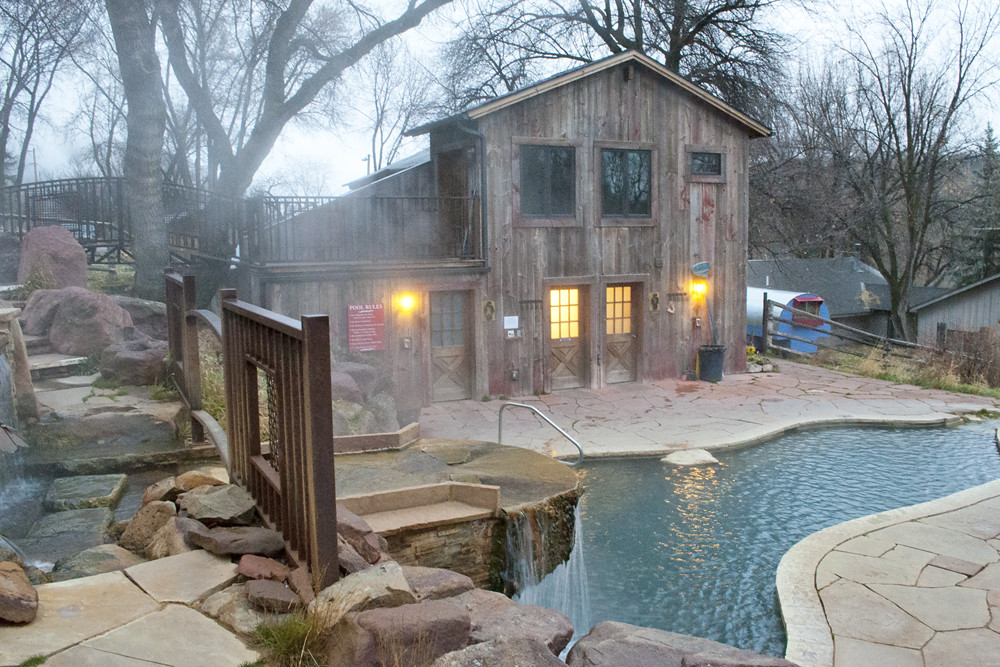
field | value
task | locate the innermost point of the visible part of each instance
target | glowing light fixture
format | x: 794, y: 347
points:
x: 699, y: 288
x: 407, y: 302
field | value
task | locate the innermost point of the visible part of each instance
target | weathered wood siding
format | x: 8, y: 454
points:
x: 968, y: 311
x: 691, y: 222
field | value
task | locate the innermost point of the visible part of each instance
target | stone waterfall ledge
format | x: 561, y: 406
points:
x: 810, y: 640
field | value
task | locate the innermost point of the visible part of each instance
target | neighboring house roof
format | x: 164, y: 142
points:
x: 918, y: 295
x: 490, y: 106
x: 399, y: 165
x: 955, y: 292
x: 842, y: 282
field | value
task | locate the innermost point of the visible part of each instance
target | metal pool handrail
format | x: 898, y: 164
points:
x: 540, y: 414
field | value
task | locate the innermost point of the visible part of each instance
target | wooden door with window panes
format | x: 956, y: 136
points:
x: 620, y: 334
x: 567, y: 338
x: 451, y: 351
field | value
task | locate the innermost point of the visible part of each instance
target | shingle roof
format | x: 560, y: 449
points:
x: 839, y: 281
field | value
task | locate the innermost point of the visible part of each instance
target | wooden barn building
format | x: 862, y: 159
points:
x: 546, y: 242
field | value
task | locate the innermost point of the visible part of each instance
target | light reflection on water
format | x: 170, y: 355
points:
x: 694, y: 550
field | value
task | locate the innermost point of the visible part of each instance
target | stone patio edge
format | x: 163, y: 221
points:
x: 809, y: 638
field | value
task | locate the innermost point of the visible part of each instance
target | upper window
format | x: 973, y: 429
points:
x: 626, y: 183
x: 548, y: 181
x: 706, y: 165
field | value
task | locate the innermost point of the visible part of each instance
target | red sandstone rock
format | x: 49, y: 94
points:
x: 272, y: 596
x: 253, y: 566
x: 53, y: 255
x: 18, y: 598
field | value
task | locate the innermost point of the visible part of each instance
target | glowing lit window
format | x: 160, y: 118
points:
x: 564, y: 313
x: 619, y: 309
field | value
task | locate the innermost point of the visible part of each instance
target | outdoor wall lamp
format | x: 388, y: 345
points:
x: 407, y: 302
x: 699, y: 288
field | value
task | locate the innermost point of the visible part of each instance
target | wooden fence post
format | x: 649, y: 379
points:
x: 322, y: 496
x: 765, y: 326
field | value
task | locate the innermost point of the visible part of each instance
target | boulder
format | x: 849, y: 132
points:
x: 39, y: 311
x: 207, y: 476
x: 513, y: 652
x: 227, y: 505
x: 548, y: 626
x: 383, y: 409
x: 412, y: 634
x: 86, y: 322
x: 18, y: 598
x: 481, y: 604
x: 8, y: 552
x: 433, y: 583
x: 343, y: 387
x: 358, y: 534
x: 272, y: 596
x: 137, y: 362
x: 239, y: 540
x: 148, y: 317
x: 380, y: 586
x: 365, y: 376
x: 171, y: 538
x: 350, y: 560
x: 690, y: 457
x: 97, y: 560
x: 253, y: 566
x: 165, y: 489
x: 52, y: 255
x: 231, y: 607
x: 145, y: 524
x: 300, y: 581
x: 615, y: 644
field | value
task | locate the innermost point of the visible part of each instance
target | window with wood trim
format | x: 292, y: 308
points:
x: 706, y: 165
x: 618, y: 318
x: 626, y: 183
x: 564, y: 313
x: 548, y: 181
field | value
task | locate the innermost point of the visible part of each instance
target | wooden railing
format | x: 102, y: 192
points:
x: 278, y: 442
x: 365, y: 229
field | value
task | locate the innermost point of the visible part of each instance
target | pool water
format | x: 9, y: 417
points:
x: 695, y: 550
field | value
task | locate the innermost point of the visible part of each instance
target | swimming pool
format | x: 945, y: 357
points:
x: 695, y: 550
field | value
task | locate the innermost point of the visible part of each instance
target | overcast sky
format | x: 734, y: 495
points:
x: 325, y: 159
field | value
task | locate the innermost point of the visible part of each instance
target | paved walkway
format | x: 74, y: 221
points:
x: 917, y: 586
x: 912, y: 586
x: 660, y: 417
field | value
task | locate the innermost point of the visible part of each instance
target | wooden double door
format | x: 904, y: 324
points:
x: 569, y: 341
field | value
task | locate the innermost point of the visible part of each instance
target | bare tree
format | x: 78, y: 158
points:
x: 300, y: 62
x: 398, y: 95
x: 720, y: 44
x: 879, y: 135
x: 134, y: 30
x: 36, y: 39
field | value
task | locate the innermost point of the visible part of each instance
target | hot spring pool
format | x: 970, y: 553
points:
x: 695, y: 550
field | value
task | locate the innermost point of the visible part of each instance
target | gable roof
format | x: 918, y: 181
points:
x: 955, y: 292
x: 490, y: 106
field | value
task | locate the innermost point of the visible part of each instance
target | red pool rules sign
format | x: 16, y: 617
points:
x: 366, y: 327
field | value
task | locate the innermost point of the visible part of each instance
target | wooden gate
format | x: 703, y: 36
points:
x: 451, y: 356
x: 620, y: 334
x: 567, y: 338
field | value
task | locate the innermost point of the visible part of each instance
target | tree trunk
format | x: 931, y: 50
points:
x: 146, y: 124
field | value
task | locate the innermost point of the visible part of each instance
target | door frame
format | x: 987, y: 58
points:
x: 639, y: 292
x: 586, y: 291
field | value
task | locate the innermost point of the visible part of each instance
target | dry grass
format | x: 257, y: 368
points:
x: 967, y: 373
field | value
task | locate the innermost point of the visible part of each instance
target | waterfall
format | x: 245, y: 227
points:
x: 565, y: 588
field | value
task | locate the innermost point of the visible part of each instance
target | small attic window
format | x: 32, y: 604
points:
x: 706, y: 164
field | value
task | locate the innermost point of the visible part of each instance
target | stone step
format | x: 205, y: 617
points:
x: 37, y: 344
x: 53, y: 364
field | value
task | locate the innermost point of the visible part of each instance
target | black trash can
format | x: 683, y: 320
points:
x: 710, y: 360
